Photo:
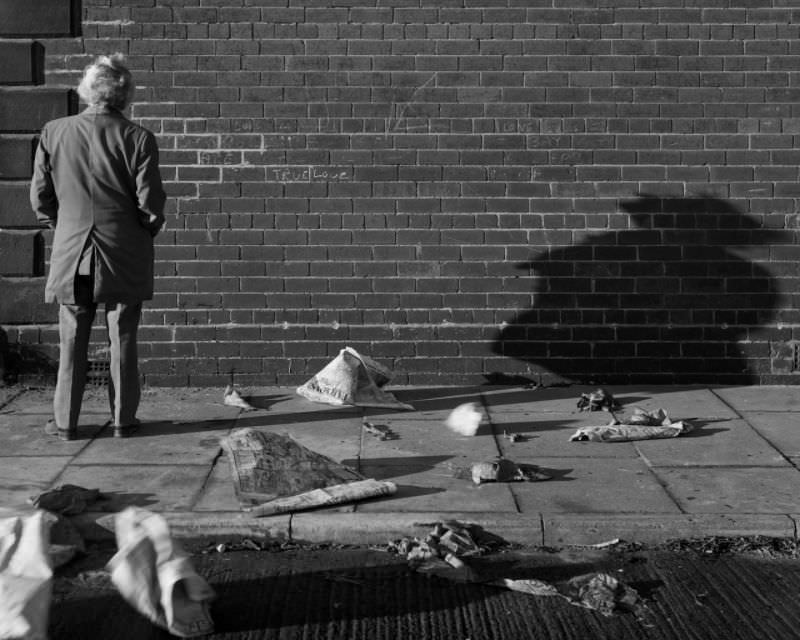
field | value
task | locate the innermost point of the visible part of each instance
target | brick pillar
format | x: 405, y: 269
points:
x: 25, y: 105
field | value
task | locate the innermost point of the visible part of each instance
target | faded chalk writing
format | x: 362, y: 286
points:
x: 307, y: 173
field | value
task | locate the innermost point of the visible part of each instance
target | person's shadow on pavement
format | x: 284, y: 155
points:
x: 670, y: 298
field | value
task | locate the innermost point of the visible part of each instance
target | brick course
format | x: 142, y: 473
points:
x: 593, y: 193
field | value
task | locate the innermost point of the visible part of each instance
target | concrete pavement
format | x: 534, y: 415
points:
x: 735, y: 474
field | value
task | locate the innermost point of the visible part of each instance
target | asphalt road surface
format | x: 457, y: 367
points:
x: 702, y: 591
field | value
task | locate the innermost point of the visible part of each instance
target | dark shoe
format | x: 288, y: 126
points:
x: 125, y: 430
x: 52, y: 429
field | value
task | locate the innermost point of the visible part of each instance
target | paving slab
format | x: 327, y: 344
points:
x: 430, y: 404
x: 560, y: 400
x: 435, y: 489
x: 734, y: 489
x: 586, y: 485
x: 338, y: 436
x: 154, y: 487
x: 781, y: 429
x: 419, y: 437
x: 218, y: 493
x: 281, y: 400
x: 22, y: 434
x: 763, y: 398
x: 23, y: 477
x: 724, y: 442
x: 166, y: 443
x: 548, y: 435
x: 680, y: 403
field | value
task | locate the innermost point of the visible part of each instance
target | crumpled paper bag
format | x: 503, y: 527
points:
x: 155, y: 575
x: 25, y: 576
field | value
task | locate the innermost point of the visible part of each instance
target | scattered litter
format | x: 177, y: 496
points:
x: 93, y: 581
x: 233, y: 398
x: 465, y: 419
x: 221, y: 548
x: 327, y: 496
x: 450, y: 537
x: 25, y: 576
x: 353, y: 379
x: 513, y: 437
x: 247, y: 543
x: 268, y: 465
x: 504, y: 470
x: 155, y: 575
x: 605, y: 545
x: 597, y: 400
x: 600, y: 592
x: 642, y: 425
x: 67, y: 499
x: 380, y: 431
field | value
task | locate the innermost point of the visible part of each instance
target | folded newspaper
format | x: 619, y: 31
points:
x: 328, y: 496
x: 642, y: 425
x: 352, y: 379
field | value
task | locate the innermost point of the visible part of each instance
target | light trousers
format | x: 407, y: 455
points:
x: 75, y: 328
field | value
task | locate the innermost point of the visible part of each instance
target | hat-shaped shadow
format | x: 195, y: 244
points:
x: 674, y: 297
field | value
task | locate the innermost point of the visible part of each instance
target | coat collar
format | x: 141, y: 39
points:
x: 97, y: 109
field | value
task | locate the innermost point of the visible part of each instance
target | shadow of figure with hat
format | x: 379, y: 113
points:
x: 672, y: 298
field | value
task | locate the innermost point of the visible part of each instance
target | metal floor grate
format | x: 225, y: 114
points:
x: 97, y: 373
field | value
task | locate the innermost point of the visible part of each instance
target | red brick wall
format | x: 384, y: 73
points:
x: 460, y: 188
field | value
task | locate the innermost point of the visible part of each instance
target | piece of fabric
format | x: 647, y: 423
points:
x: 25, y: 576
x: 156, y: 577
x: 96, y: 180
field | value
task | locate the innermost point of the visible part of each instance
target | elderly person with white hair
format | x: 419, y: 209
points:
x: 96, y: 182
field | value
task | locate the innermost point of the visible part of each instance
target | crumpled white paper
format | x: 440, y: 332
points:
x: 155, y: 575
x: 25, y: 576
x: 465, y: 419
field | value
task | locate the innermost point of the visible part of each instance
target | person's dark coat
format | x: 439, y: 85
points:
x: 96, y: 180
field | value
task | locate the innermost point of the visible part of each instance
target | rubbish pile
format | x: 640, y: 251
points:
x: 448, y: 549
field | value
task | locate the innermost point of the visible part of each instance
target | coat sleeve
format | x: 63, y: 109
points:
x: 149, y: 190
x: 43, y: 193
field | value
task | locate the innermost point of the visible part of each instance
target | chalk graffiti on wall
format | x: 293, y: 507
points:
x: 307, y: 173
